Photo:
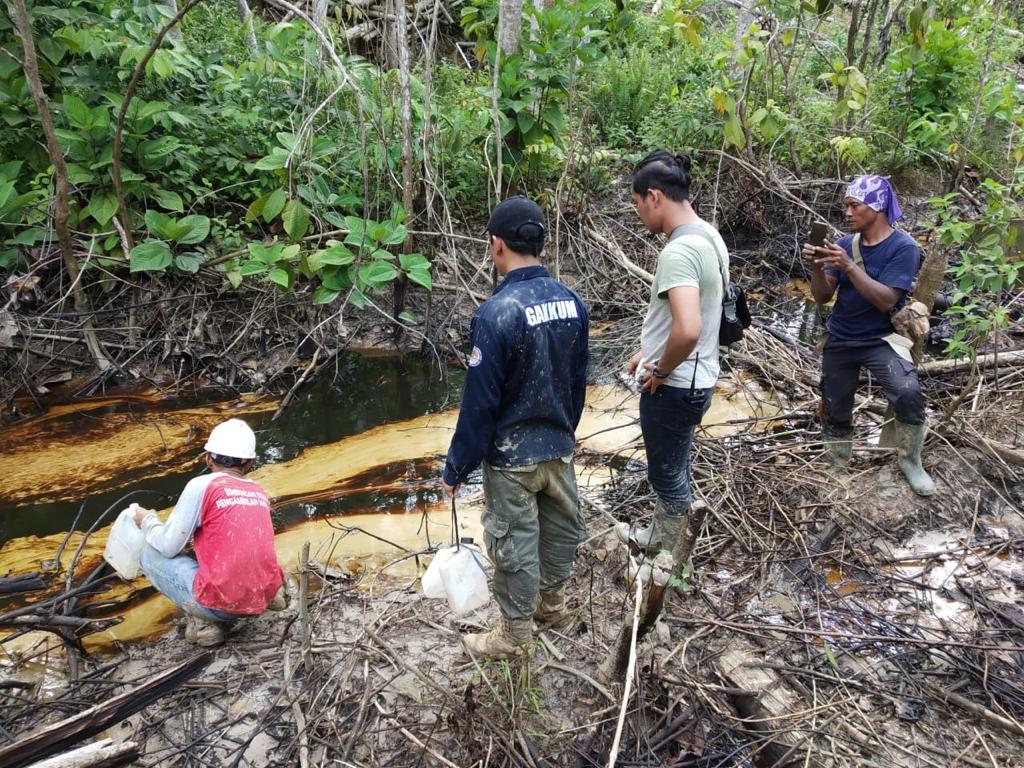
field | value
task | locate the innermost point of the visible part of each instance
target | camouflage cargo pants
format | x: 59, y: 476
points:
x: 532, y: 526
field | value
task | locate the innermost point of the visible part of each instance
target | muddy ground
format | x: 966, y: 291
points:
x: 829, y: 619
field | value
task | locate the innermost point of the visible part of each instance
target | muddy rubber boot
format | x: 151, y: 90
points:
x: 687, y: 536
x: 508, y: 640
x: 660, y: 534
x: 551, y: 611
x: 909, y: 441
x: 206, y: 634
x: 839, y: 449
x: 280, y: 601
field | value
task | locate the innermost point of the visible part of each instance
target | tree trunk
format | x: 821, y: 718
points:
x: 250, y: 34
x: 408, y: 152
x: 851, y: 44
x: 744, y: 18
x: 510, y: 26
x: 319, y: 12
x: 19, y: 14
x: 866, y: 42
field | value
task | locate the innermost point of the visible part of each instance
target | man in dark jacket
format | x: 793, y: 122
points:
x: 523, y: 399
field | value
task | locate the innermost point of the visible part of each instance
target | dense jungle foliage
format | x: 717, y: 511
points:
x: 245, y: 141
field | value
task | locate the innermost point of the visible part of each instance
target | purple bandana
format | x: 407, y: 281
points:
x: 877, y: 194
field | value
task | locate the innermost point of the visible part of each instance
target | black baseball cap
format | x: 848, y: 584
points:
x: 520, y: 223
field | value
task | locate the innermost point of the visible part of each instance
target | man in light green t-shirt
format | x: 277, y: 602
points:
x: 677, y: 364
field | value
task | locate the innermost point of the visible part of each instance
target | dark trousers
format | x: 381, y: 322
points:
x: 840, y: 374
x: 667, y: 420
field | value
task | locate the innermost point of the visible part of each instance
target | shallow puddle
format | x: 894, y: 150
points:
x: 350, y: 472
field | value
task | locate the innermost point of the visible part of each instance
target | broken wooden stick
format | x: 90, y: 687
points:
x: 59, y: 736
x: 645, y: 616
x: 100, y: 754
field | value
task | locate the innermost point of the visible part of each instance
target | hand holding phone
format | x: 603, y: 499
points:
x: 818, y: 231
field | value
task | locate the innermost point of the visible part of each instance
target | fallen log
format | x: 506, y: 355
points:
x: 99, y: 754
x: 939, y: 367
x: 764, y: 705
x: 58, y: 737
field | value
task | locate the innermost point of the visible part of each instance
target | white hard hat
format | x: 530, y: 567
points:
x: 232, y: 438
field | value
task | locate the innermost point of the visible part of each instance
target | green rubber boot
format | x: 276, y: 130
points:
x: 662, y: 533
x: 839, y: 449
x: 909, y: 441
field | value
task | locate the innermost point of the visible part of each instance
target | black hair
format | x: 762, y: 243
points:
x: 665, y: 171
x: 228, y: 462
x: 532, y: 247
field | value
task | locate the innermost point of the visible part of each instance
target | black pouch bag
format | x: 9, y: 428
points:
x: 735, y: 315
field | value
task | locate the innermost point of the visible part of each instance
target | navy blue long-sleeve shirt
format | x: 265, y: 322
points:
x: 527, y: 376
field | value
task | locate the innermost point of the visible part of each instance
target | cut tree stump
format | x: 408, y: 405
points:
x: 60, y: 736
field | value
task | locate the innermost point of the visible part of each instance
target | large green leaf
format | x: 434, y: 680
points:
x: 413, y: 261
x: 275, y: 161
x: 79, y: 115
x: 162, y: 63
x: 252, y: 268
x: 151, y: 256
x: 52, y: 48
x: 324, y: 295
x: 103, y: 206
x: 281, y: 276
x: 357, y: 299
x: 394, y: 235
x: 29, y: 236
x: 263, y: 253
x: 378, y: 273
x: 162, y: 225
x: 295, y: 219
x: 153, y: 148
x: 334, y: 255
x: 188, y: 262
x: 422, y: 277
x: 356, y: 230
x: 6, y: 192
x: 734, y: 132
x: 193, y: 229
x: 170, y: 201
x: 274, y: 204
x: 9, y: 170
x: 255, y: 209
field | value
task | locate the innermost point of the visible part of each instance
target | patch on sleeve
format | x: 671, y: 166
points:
x: 475, y: 357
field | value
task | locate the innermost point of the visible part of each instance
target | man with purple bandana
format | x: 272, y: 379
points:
x: 870, y: 272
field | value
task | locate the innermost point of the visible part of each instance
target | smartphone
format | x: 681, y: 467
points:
x: 818, y: 231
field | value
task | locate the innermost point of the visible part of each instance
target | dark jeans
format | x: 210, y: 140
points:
x: 840, y: 374
x: 667, y: 420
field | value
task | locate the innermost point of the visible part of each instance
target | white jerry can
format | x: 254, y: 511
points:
x: 124, y: 545
x: 457, y: 573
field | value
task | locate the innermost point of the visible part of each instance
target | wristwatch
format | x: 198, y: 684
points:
x: 658, y: 373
